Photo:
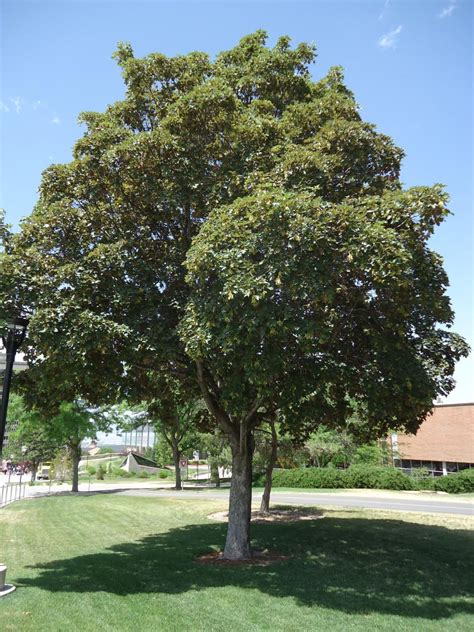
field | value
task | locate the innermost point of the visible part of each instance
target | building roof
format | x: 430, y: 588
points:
x: 446, y: 435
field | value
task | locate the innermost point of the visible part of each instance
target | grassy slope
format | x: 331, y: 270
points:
x: 107, y: 562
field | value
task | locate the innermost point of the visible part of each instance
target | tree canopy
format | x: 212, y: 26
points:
x: 310, y: 287
x: 318, y: 308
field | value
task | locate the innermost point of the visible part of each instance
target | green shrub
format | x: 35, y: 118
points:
x: 258, y: 479
x: 377, y: 477
x: 368, y: 477
x: 362, y: 476
x: 164, y: 474
x: 420, y: 473
x: 144, y: 474
x: 311, y: 477
x: 100, y: 473
x: 393, y: 478
x: 91, y: 469
x: 422, y: 480
x: 122, y: 473
x: 358, y: 476
x: 461, y: 483
x: 423, y: 484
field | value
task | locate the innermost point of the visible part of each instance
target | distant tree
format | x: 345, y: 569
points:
x: 326, y: 446
x: 176, y: 419
x: 65, y: 423
x: 163, y: 453
x: 74, y: 422
x: 215, y: 445
x: 374, y: 453
x: 272, y: 453
x: 30, y: 440
x: 272, y: 448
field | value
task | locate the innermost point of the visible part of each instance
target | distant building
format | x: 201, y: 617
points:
x: 444, y: 443
x: 139, y: 439
x: 138, y: 463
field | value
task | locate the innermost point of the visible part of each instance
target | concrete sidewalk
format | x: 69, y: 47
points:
x: 422, y: 502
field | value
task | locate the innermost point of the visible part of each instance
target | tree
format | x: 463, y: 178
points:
x: 176, y: 421
x: 215, y: 445
x: 267, y: 448
x: 310, y: 287
x: 30, y: 440
x: 163, y: 454
x: 272, y: 448
x: 74, y: 422
x: 325, y: 446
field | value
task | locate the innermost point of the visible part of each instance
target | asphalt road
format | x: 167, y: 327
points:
x: 418, y: 505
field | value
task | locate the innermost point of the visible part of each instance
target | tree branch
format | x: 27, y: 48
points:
x: 211, y: 401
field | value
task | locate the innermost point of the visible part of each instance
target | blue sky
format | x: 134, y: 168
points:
x: 409, y: 64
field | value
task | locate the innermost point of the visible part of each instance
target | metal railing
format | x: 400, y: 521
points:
x: 10, y: 492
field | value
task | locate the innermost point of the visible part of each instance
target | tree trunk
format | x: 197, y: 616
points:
x: 177, y: 469
x: 76, y: 457
x: 237, y: 545
x: 265, y: 504
x: 34, y: 470
x: 215, y: 473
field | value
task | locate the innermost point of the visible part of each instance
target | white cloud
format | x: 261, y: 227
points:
x: 447, y: 11
x: 37, y: 104
x: 17, y: 103
x: 56, y: 120
x: 384, y: 9
x: 389, y: 40
x: 4, y: 107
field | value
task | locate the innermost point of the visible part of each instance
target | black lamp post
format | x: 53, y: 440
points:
x: 16, y: 330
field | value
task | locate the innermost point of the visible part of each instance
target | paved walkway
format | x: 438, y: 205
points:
x: 351, y: 499
x: 419, y: 502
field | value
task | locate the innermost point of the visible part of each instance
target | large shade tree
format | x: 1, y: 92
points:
x: 311, y: 291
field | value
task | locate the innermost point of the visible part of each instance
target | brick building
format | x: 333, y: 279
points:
x: 443, y: 444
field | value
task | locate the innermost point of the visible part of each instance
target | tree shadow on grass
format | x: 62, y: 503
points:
x: 353, y: 565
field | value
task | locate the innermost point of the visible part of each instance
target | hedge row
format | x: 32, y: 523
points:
x: 369, y: 477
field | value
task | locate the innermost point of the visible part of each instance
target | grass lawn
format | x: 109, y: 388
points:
x: 106, y: 562
x: 114, y: 478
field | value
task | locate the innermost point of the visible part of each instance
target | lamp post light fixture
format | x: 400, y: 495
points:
x: 16, y: 331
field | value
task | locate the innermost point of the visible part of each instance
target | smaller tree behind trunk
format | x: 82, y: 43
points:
x: 74, y: 446
x: 215, y: 444
x: 175, y: 422
x: 214, y: 467
x: 272, y: 448
x: 265, y: 503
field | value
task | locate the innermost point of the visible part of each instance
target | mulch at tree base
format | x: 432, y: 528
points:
x: 259, y: 558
